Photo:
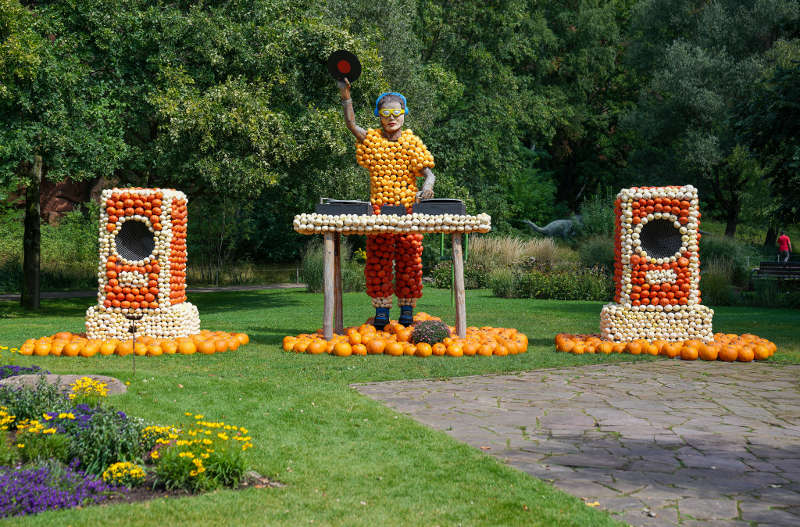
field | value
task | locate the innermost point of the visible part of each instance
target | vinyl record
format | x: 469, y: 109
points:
x: 343, y: 64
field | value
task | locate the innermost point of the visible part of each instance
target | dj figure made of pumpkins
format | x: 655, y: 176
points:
x: 395, y: 158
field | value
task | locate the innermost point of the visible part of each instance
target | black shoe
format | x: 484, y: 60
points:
x: 406, y: 315
x: 381, y: 318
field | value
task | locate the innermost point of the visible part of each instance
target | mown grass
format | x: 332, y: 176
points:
x: 345, y: 459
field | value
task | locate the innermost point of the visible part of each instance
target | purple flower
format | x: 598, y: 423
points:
x: 29, y: 491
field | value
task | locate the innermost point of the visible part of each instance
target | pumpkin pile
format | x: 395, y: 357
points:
x: 66, y: 344
x: 395, y: 340
x: 725, y: 346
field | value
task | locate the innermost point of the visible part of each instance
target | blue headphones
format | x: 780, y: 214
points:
x: 384, y: 94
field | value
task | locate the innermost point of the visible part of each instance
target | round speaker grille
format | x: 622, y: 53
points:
x: 135, y: 241
x: 660, y: 239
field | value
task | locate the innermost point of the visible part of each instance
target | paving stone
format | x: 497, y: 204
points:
x: 762, y: 513
x: 708, y: 509
x: 696, y: 442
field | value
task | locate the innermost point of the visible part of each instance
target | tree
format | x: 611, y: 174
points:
x: 588, y: 72
x: 59, y: 120
x: 698, y: 60
x: 769, y: 123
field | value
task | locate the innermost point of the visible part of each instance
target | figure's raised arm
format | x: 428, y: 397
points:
x: 347, y: 108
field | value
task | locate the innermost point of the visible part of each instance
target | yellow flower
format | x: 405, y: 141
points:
x: 154, y: 454
x: 20, y: 445
x: 222, y: 436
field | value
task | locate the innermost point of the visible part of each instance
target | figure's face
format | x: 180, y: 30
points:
x: 392, y: 123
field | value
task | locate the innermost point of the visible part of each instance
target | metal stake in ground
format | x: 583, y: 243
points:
x: 132, y: 330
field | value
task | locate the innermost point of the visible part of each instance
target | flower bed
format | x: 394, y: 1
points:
x: 51, y: 486
x: 725, y: 347
x: 396, y: 340
x: 39, y: 457
x: 65, y: 344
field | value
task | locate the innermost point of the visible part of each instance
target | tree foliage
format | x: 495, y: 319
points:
x: 530, y: 107
x: 699, y: 60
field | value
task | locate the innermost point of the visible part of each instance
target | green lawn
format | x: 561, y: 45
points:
x: 345, y: 459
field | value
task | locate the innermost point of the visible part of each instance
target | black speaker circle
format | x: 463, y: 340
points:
x: 135, y: 241
x: 660, y: 239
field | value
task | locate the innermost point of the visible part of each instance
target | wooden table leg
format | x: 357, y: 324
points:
x: 328, y: 286
x: 338, y: 315
x: 458, y: 283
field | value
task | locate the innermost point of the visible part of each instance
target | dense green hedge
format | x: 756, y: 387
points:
x: 579, y: 284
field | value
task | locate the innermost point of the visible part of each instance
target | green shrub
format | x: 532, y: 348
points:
x: 68, y: 251
x: 312, y: 269
x: 770, y: 292
x: 225, y: 466
x: 597, y: 251
x: 108, y: 436
x: 501, y: 282
x: 597, y: 215
x: 9, y: 454
x: 201, y: 456
x: 585, y: 284
x: 41, y: 444
x: 716, y: 283
x: 476, y: 275
x: 31, y: 403
x: 740, y: 256
x: 430, y: 331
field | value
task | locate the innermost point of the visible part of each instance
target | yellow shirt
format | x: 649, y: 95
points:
x: 393, y: 166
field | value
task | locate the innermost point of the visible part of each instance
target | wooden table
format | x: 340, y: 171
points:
x: 333, y: 227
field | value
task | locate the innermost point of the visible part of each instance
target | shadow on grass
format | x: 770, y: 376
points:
x: 62, y: 307
x: 273, y: 336
x: 227, y: 302
x: 207, y: 303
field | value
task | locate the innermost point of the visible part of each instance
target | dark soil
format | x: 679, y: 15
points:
x: 146, y: 491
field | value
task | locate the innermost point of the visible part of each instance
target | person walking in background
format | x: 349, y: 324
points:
x: 784, y: 246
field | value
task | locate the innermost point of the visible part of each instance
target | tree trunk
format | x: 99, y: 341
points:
x: 732, y: 220
x: 771, y: 237
x: 32, y: 238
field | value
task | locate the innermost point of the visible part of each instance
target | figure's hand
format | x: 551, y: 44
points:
x: 425, y: 194
x: 344, y: 88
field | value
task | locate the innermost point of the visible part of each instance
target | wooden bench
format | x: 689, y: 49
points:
x: 785, y: 271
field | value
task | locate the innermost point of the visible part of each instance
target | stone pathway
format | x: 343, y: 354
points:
x: 656, y: 443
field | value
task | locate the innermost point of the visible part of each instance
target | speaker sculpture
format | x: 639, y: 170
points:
x: 657, y: 268
x: 142, y: 266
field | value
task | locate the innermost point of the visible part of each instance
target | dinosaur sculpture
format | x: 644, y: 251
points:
x: 564, y: 228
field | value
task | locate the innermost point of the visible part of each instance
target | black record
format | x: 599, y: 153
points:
x: 343, y: 64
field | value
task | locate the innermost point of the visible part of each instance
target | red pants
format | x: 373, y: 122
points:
x: 405, y: 252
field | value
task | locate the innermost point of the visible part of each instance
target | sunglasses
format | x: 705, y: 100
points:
x: 391, y: 112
